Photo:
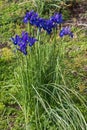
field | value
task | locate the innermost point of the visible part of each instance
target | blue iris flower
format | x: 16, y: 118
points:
x: 39, y: 22
x: 48, y: 25
x: 23, y: 41
x: 33, y: 19
x: 25, y: 37
x: 25, y: 20
x: 66, y: 31
x: 23, y: 48
x: 15, y: 39
x: 57, y: 18
x: 42, y: 23
x: 28, y: 16
x: 32, y: 40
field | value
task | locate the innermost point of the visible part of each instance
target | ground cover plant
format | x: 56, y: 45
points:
x: 41, y: 93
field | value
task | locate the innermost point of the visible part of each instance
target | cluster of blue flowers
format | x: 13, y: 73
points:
x: 41, y: 23
x: 46, y: 24
x: 23, y: 41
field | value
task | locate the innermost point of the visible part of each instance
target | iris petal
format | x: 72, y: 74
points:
x: 66, y: 31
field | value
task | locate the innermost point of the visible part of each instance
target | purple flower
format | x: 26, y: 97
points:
x: 32, y: 40
x: 57, y: 18
x: 25, y: 20
x: 23, y: 48
x: 48, y: 25
x: 25, y: 37
x: 23, y: 41
x: 16, y: 39
x: 66, y: 31
x: 33, y: 19
x: 28, y: 16
x: 39, y: 22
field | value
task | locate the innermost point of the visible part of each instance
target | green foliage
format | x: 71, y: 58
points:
x: 42, y: 76
x: 50, y: 104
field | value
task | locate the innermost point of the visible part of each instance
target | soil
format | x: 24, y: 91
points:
x: 78, y: 13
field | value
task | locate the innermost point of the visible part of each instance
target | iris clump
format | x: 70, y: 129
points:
x: 23, y: 41
x: 41, y: 23
x: 66, y: 31
x: 46, y: 24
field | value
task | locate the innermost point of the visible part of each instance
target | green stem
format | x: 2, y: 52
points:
x: 26, y: 120
x: 29, y: 28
